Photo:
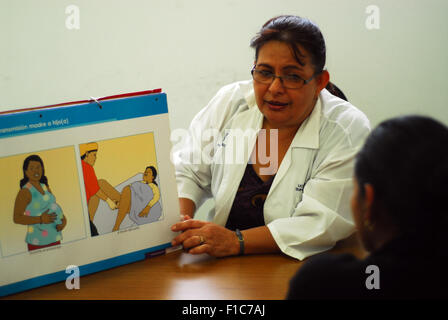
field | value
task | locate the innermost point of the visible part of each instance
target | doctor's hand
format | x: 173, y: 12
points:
x: 199, y: 237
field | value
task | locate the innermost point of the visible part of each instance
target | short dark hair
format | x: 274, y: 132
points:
x: 294, y: 30
x: 405, y: 159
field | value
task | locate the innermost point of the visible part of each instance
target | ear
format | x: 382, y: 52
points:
x: 322, y: 80
x: 369, y: 198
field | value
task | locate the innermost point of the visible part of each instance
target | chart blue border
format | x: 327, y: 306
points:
x: 63, y: 117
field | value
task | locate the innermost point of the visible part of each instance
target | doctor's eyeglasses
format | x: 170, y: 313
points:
x: 289, y: 81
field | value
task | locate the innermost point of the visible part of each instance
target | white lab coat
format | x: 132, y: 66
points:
x: 308, y: 206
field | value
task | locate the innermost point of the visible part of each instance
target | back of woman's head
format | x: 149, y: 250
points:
x: 406, y: 161
x: 294, y: 30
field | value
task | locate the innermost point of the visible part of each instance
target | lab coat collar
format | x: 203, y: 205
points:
x: 248, y: 93
x: 308, y: 134
x: 307, y: 137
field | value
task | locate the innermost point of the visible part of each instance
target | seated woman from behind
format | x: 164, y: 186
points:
x: 399, y: 208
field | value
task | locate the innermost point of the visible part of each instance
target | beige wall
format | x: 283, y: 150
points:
x: 190, y: 48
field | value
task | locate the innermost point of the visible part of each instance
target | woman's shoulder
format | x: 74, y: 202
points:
x: 334, y: 262
x: 235, y: 95
x: 327, y: 275
x: 27, y: 186
x: 229, y: 101
x: 342, y: 112
x: 341, y: 122
x: 24, y: 192
x: 328, y: 265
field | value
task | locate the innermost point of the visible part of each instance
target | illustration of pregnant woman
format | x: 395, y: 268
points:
x: 140, y: 200
x: 36, y: 207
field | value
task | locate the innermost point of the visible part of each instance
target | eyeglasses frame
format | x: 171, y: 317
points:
x: 274, y: 76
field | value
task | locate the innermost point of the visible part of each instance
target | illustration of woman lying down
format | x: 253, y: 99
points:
x: 138, y: 198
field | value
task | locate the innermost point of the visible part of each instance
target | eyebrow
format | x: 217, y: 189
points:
x: 285, y: 67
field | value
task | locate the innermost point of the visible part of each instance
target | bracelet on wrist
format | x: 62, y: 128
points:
x: 240, y: 240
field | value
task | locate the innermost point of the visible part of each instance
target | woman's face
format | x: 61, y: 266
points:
x: 34, y: 171
x: 283, y: 107
x: 147, y: 176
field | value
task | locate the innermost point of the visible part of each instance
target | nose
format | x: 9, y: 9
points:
x: 276, y: 86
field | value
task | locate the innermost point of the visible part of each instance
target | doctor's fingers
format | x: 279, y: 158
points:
x: 193, y: 242
x: 184, y: 236
x: 203, y: 248
x: 188, y: 224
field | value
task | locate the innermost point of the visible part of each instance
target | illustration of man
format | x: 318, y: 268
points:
x: 96, y: 190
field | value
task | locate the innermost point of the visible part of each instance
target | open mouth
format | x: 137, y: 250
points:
x: 276, y: 105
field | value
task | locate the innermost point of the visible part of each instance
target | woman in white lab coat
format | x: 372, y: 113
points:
x: 276, y: 154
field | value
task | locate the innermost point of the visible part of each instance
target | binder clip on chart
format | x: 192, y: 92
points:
x: 96, y: 100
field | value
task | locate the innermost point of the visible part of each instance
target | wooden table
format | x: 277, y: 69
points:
x: 181, y: 276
